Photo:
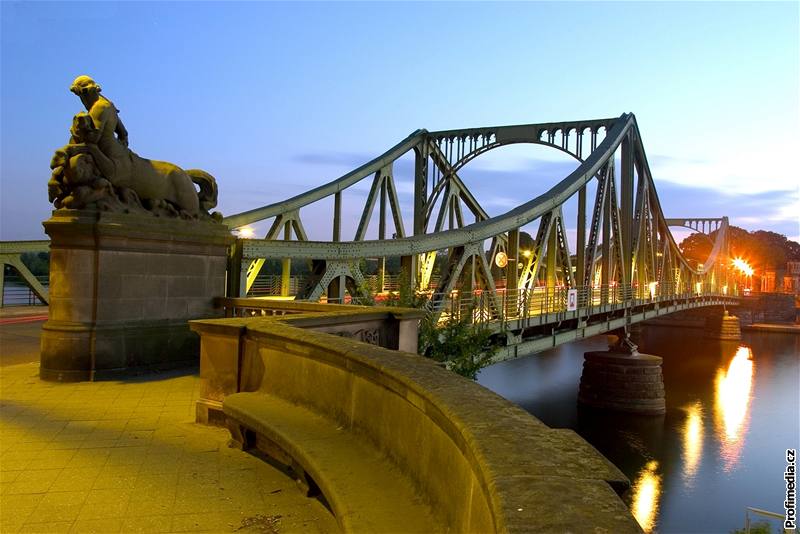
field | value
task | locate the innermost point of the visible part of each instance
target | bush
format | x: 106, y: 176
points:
x: 463, y: 347
x: 756, y: 527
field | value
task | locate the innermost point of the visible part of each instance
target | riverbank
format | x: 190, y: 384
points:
x: 782, y: 328
x: 773, y: 327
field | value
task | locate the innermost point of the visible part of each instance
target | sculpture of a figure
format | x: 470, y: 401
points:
x: 97, y: 160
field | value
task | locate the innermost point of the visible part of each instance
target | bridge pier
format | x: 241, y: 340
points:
x: 624, y: 380
x: 725, y: 327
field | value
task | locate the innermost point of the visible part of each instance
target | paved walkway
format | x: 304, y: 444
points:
x: 127, y: 457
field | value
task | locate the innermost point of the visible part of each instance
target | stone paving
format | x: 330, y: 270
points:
x: 126, y: 456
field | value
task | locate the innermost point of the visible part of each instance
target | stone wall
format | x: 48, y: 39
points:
x: 768, y: 308
x: 483, y: 463
x: 221, y: 364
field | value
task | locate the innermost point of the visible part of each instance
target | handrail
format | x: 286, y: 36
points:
x: 765, y: 513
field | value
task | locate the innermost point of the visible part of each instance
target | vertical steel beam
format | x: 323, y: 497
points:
x: 581, y: 237
x: 626, y: 206
x: 408, y: 264
x: 382, y: 234
x: 420, y: 187
x: 512, y: 272
x: 605, y: 269
x: 286, y: 263
x: 552, y: 253
x: 337, y: 216
x: 408, y: 268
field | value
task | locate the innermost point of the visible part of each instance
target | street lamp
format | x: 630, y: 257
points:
x: 746, y: 270
x: 246, y: 232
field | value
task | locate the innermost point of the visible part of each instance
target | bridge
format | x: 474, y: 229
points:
x: 625, y: 266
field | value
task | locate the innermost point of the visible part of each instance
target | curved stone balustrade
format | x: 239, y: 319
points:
x: 481, y: 463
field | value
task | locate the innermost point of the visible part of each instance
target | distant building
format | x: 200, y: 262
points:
x: 783, y: 280
x: 791, y: 280
x: 768, y: 282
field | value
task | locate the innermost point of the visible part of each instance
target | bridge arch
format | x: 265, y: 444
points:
x: 624, y: 235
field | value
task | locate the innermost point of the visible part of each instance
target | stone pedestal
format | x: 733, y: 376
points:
x: 623, y: 382
x: 726, y: 327
x: 122, y: 288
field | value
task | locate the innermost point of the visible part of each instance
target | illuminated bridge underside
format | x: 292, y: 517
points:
x: 625, y: 258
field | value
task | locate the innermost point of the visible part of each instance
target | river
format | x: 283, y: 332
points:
x: 732, y: 411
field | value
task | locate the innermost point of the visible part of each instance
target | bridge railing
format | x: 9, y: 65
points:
x: 502, y: 306
x: 17, y: 292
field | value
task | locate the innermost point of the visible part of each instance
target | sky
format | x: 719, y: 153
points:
x: 274, y: 99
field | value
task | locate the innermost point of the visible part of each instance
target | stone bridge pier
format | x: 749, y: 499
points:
x: 623, y: 379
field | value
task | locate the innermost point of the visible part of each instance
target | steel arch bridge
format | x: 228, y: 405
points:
x: 625, y: 267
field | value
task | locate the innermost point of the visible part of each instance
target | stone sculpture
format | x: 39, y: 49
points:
x: 97, y: 170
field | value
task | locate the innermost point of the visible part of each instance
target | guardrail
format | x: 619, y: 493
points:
x: 501, y: 306
x: 764, y: 513
x: 16, y: 292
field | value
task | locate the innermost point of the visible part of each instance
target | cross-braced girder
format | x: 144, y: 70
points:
x: 623, y: 247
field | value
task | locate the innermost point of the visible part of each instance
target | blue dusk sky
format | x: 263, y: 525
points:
x: 276, y: 98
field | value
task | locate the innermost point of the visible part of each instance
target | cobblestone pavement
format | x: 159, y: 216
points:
x: 126, y: 456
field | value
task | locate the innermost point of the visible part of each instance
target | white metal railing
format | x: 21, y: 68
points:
x: 16, y: 291
x: 764, y: 513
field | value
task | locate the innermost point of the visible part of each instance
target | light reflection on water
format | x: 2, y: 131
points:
x: 692, y: 442
x: 733, y: 392
x: 730, y: 417
x: 646, y: 495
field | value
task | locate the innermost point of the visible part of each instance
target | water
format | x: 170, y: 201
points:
x: 16, y: 293
x: 732, y: 411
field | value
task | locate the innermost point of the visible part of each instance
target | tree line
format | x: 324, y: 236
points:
x: 762, y: 249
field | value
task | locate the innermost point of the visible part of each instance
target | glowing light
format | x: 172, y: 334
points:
x: 692, y: 441
x: 724, y: 290
x: 652, y: 287
x: 526, y: 253
x: 646, y: 496
x: 732, y: 402
x: 500, y: 259
x: 246, y: 232
x: 743, y: 266
x: 698, y: 287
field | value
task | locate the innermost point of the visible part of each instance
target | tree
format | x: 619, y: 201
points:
x: 37, y: 263
x: 762, y: 249
x: 463, y: 347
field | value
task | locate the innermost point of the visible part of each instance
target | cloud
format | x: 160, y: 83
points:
x: 750, y: 167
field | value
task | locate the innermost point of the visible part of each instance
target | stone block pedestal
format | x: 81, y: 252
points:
x: 623, y: 382
x: 727, y: 327
x: 122, y: 288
